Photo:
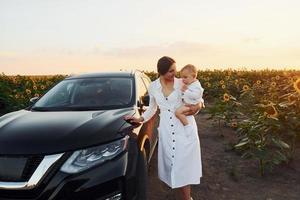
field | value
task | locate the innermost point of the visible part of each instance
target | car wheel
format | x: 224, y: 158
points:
x: 142, y: 176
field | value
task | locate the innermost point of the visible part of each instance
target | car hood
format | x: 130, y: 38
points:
x: 32, y: 132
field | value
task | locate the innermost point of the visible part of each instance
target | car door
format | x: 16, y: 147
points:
x: 150, y: 127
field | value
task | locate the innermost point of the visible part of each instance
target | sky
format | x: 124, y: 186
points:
x: 44, y: 37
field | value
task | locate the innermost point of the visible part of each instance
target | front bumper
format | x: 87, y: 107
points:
x: 108, y: 180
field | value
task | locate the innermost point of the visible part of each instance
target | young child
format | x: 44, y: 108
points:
x: 192, y: 92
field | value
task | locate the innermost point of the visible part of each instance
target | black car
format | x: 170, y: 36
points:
x: 73, y: 142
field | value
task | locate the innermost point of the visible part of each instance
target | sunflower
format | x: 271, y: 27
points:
x: 223, y: 86
x: 207, y: 84
x: 42, y: 87
x: 277, y: 77
x: 274, y: 96
x: 34, y: 87
x: 258, y: 86
x: 226, y: 97
x: 273, y: 84
x: 297, y: 85
x: 258, y: 82
x: 270, y: 103
x: 233, y: 124
x: 246, y: 88
x: 221, y: 82
x: 14, y: 80
x: 292, y: 98
x: 270, y: 111
x: 236, y: 82
x: 36, y: 95
x: 28, y: 91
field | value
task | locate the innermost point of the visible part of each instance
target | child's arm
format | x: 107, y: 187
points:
x: 195, y: 92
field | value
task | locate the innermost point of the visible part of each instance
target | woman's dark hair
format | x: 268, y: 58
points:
x: 164, y: 64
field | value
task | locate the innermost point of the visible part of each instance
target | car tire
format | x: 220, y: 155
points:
x: 142, y: 176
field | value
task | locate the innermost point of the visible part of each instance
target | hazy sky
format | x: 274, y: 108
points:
x: 77, y: 36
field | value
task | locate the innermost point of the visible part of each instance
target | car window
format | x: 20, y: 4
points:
x: 63, y: 94
x: 88, y: 93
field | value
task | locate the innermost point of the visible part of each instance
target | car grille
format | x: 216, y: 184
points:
x: 18, y: 169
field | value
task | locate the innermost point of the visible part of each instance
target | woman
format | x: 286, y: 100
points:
x: 179, y: 158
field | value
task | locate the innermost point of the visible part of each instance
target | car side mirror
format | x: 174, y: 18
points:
x: 146, y: 100
x: 33, y: 100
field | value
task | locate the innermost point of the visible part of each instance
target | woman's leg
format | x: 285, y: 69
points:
x: 185, y: 192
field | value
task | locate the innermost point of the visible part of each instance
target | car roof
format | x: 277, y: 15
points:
x: 104, y: 74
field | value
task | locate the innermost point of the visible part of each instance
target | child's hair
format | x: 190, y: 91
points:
x: 191, y: 68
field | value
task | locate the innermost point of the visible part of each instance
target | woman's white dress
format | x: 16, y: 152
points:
x: 179, y: 156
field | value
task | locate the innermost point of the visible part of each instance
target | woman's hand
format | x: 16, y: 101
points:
x: 131, y: 119
x: 194, y: 109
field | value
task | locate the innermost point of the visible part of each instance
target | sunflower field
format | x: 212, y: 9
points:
x: 263, y: 107
x: 16, y: 91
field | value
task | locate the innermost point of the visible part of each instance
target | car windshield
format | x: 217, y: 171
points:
x: 87, y: 94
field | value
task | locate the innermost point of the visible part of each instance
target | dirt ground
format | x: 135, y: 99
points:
x: 226, y: 176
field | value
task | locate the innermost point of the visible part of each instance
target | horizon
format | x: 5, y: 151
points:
x: 153, y: 71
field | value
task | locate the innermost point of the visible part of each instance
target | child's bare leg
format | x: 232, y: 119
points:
x: 181, y: 116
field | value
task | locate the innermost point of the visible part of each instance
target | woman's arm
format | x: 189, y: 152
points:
x: 150, y: 111
x: 194, y: 109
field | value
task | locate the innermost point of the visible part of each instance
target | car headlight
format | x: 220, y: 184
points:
x: 87, y: 158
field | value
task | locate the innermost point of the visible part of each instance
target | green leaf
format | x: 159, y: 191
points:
x: 281, y: 156
x: 247, y: 155
x: 241, y: 144
x: 280, y: 143
x: 283, y: 144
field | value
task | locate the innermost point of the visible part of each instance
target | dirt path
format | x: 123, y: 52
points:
x: 228, y: 177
